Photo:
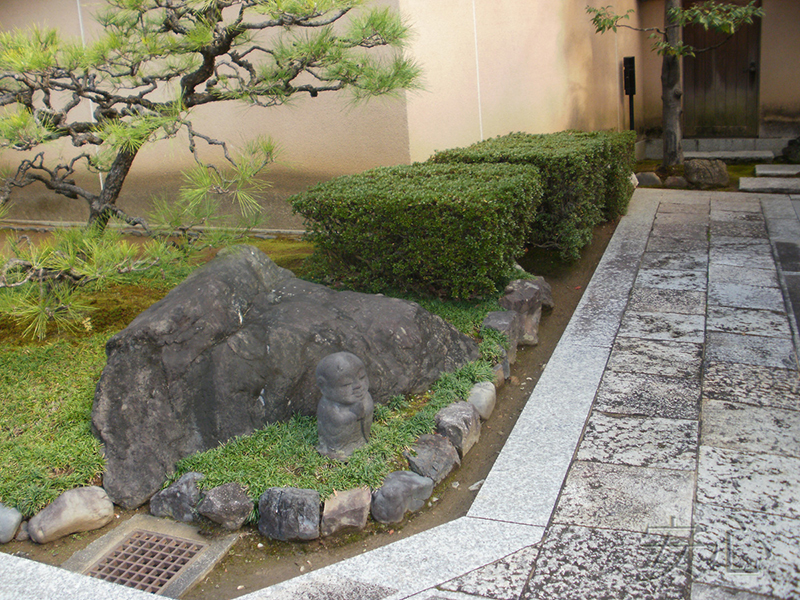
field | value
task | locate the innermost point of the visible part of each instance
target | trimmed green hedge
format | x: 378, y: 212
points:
x: 448, y: 230
x: 586, y: 179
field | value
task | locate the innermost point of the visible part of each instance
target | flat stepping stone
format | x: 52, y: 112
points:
x: 734, y: 156
x: 770, y: 185
x: 777, y: 170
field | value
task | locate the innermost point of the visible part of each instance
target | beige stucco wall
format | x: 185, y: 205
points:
x: 490, y: 67
x: 780, y: 68
x: 512, y: 65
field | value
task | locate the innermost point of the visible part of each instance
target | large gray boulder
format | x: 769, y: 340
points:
x: 706, y: 173
x: 233, y: 348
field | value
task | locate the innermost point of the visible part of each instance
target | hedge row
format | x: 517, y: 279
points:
x: 446, y: 229
x: 585, y: 176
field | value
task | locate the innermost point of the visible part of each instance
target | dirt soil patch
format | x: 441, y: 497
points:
x: 255, y: 562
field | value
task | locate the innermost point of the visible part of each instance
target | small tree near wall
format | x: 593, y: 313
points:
x: 667, y: 41
x: 159, y: 59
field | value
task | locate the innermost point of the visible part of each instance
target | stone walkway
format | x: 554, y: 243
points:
x: 658, y: 456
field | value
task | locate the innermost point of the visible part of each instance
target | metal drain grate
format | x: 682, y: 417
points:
x: 145, y: 560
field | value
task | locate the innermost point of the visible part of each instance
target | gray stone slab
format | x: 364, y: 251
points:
x: 718, y: 273
x: 738, y: 229
x: 501, y: 580
x: 596, y: 320
x: 667, y: 279
x: 627, y: 498
x: 701, y: 591
x: 669, y: 244
x: 748, y: 428
x: 682, y: 261
x: 414, y: 564
x: 681, y: 218
x: 735, y: 201
x: 767, y: 323
x: 773, y: 170
x: 788, y: 255
x: 719, y: 215
x: 752, y: 384
x: 329, y: 589
x: 734, y: 156
x: 784, y: 229
x: 554, y: 417
x: 645, y: 300
x: 778, y: 207
x: 663, y: 326
x: 770, y: 185
x: 755, y: 254
x: 640, y: 394
x: 753, y: 482
x: 740, y: 295
x: 755, y: 552
x: 750, y: 350
x: 681, y: 231
x: 594, y: 564
x: 439, y: 594
x: 640, y: 442
x: 700, y: 207
x: 656, y: 357
x: 23, y: 579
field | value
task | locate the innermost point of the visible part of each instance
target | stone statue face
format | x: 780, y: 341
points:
x: 342, y: 378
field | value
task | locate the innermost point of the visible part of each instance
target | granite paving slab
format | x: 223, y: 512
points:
x: 501, y: 580
x: 640, y: 442
x: 627, y: 498
x: 720, y: 215
x: 681, y: 231
x: 752, y: 384
x: 748, y: 428
x: 741, y: 295
x: 663, y: 326
x: 748, y: 275
x: 750, y: 350
x: 784, y: 229
x: 440, y: 595
x: 685, y: 261
x: 773, y: 170
x: 750, y: 482
x: 681, y: 218
x: 646, y: 300
x: 642, y: 394
x: 752, y: 551
x: 594, y: 564
x: 657, y: 357
x: 666, y: 243
x: 701, y: 591
x: 699, y: 207
x: 788, y: 256
x: 596, y: 320
x: 767, y: 323
x: 745, y: 229
x: 779, y: 207
x: 730, y: 251
x: 770, y: 185
x: 668, y: 279
x: 733, y: 201
x: 555, y: 417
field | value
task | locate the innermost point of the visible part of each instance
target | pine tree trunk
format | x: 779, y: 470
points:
x: 672, y: 93
x: 100, y: 211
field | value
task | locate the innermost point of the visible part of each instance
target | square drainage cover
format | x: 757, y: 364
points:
x: 152, y: 555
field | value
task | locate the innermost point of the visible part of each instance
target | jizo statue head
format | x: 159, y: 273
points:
x: 344, y: 413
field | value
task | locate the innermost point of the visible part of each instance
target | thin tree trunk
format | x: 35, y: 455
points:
x: 101, y: 211
x: 672, y: 92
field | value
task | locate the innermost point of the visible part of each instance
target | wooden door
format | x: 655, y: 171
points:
x: 721, y: 85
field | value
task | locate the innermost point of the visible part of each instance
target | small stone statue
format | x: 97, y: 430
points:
x: 344, y: 414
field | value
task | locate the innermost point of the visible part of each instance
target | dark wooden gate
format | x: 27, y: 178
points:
x: 721, y: 85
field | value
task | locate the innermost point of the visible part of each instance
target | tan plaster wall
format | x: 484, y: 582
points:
x: 493, y: 67
x: 780, y: 68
